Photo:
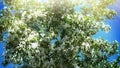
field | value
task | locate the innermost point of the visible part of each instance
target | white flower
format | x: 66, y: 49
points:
x: 34, y: 45
x: 37, y: 51
x: 23, y: 14
x: 31, y: 36
x: 42, y: 34
x: 29, y: 16
x: 96, y: 24
x: 92, y: 52
x: 75, y: 15
x: 86, y: 45
x: 68, y: 16
x: 20, y: 45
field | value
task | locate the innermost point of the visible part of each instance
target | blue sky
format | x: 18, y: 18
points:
x: 114, y: 33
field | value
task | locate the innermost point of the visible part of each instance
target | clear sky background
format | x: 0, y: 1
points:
x: 114, y: 33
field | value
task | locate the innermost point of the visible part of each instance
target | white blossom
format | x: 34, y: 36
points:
x: 86, y: 45
x: 31, y: 36
x: 34, y: 45
x: 23, y: 13
x: 37, y: 51
x: 42, y: 34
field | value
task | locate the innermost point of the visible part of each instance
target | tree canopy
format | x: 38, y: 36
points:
x: 52, y: 34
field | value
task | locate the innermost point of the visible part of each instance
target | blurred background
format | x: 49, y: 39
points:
x: 113, y: 35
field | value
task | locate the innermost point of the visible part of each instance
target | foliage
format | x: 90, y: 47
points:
x: 32, y: 25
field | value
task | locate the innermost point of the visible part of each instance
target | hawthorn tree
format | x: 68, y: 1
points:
x: 52, y: 34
